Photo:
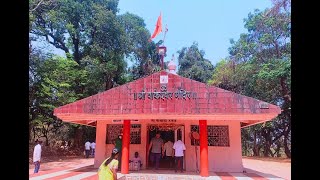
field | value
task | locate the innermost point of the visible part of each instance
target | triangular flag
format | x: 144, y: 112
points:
x: 158, y: 28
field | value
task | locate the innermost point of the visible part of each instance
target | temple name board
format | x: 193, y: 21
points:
x: 164, y: 94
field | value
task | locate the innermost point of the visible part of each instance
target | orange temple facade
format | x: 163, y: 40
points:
x: 174, y: 106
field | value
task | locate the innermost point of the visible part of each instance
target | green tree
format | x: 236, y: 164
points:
x: 223, y: 76
x: 91, y: 33
x: 71, y: 25
x: 52, y: 84
x: 193, y: 65
x: 36, y: 58
x: 142, y: 53
x: 259, y: 66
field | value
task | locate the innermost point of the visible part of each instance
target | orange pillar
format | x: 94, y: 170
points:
x: 204, y: 168
x: 125, y: 147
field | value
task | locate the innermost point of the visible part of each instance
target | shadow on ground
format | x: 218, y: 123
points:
x: 256, y: 174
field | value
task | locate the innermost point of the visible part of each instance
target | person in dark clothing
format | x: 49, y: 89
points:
x: 118, y: 145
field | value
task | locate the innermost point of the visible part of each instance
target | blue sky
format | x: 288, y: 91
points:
x: 211, y: 23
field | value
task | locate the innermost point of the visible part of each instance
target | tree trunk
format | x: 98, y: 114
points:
x: 286, y: 148
x: 45, y: 135
x: 76, y: 53
x: 267, y: 145
x: 258, y: 149
x: 255, y: 147
x: 34, y: 133
x: 108, y: 85
x: 109, y: 81
x: 78, y: 139
x: 245, y: 149
x: 47, y: 141
x: 30, y: 130
x: 287, y: 129
x: 30, y: 46
x: 277, y: 151
x: 270, y: 152
x: 266, y: 149
x: 285, y: 90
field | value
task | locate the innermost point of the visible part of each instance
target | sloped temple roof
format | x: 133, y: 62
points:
x: 163, y: 95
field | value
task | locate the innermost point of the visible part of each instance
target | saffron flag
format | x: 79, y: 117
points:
x: 158, y: 28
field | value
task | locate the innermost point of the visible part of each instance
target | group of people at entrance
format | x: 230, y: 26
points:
x: 171, y: 152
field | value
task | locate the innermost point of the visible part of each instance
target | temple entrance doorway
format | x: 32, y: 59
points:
x: 167, y: 132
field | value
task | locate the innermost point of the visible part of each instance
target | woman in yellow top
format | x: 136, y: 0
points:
x: 108, y: 169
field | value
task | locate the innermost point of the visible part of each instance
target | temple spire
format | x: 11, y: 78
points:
x: 172, y: 66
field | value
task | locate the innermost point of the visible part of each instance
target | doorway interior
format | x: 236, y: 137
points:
x: 168, y: 132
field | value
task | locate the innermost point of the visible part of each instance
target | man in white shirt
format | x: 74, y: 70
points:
x: 87, y: 148
x: 168, y: 152
x: 93, y: 148
x: 37, y: 156
x: 179, y: 149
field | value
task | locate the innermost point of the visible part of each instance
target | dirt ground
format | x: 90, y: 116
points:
x: 280, y: 167
x: 50, y: 163
x: 273, y: 159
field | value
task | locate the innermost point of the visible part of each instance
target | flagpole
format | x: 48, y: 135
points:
x: 165, y: 32
x: 162, y: 65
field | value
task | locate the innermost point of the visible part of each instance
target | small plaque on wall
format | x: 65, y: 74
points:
x: 120, y: 121
x: 164, y: 79
x: 117, y: 121
x: 263, y: 105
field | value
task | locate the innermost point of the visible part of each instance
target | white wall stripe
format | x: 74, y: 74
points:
x: 80, y: 176
x: 240, y: 176
x: 50, y: 175
x: 214, y: 176
x: 269, y: 176
x: 159, y: 176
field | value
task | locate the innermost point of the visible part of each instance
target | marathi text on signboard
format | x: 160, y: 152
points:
x: 164, y: 94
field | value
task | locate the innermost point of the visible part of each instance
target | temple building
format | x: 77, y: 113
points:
x: 174, y: 106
